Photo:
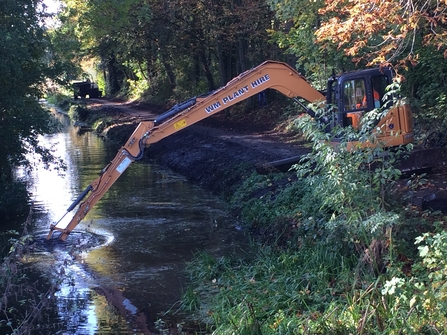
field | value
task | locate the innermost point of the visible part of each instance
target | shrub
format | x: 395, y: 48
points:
x: 337, y: 268
x: 14, y: 200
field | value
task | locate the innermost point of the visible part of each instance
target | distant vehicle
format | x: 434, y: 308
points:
x: 82, y: 89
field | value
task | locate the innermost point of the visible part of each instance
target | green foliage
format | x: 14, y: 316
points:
x: 278, y: 207
x: 339, y: 261
x: 25, y: 296
x: 59, y: 100
x: 431, y: 283
x: 352, y: 182
x: 173, y: 49
x: 25, y: 63
x: 295, y: 34
x: 14, y: 200
x: 137, y: 88
x: 341, y: 193
x: 409, y: 302
x: 272, y: 294
x: 102, y: 31
x: 425, y: 87
x: 316, y: 290
x: 78, y: 112
x: 65, y: 56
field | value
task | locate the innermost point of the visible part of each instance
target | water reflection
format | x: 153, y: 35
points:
x: 149, y: 224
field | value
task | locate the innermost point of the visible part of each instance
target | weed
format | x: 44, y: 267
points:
x: 60, y: 100
x: 78, y: 112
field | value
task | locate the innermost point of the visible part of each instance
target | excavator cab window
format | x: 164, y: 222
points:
x: 363, y: 94
x: 354, y: 101
x: 354, y: 92
x: 378, y: 85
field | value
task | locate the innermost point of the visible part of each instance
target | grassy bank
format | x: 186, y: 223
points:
x: 338, y: 252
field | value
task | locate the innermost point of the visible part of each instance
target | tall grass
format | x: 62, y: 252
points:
x: 317, y: 289
x: 337, y: 253
x: 247, y: 296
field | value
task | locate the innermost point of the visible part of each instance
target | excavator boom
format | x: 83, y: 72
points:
x: 274, y: 75
x: 270, y: 74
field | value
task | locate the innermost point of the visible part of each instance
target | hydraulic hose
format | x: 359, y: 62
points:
x: 141, y: 146
x: 79, y: 198
x: 179, y: 108
x: 175, y: 110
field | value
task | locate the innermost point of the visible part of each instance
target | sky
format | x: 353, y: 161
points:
x: 53, y: 5
x: 52, y: 8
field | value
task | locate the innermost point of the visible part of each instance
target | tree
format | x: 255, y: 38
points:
x: 384, y: 31
x: 179, y: 48
x: 23, y: 69
x: 409, y: 35
x: 98, y: 28
x: 294, y: 30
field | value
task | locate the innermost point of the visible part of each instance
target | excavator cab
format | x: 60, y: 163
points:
x: 355, y: 93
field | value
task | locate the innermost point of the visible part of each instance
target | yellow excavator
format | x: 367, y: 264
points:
x: 349, y: 95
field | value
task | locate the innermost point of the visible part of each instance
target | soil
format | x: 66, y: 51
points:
x: 218, y: 152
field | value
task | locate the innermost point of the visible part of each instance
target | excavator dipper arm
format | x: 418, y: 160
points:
x: 270, y: 74
x: 133, y: 150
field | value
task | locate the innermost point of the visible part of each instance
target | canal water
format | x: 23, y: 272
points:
x: 124, y: 264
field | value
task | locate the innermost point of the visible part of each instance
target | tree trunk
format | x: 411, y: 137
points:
x: 112, y: 82
x: 221, y: 59
x: 241, y: 54
x: 206, y: 69
x: 169, y: 71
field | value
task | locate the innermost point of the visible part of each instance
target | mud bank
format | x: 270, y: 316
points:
x: 208, y: 154
x: 215, y: 165
x: 217, y: 154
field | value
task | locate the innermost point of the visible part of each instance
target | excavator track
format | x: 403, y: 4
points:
x: 420, y: 160
x: 417, y: 161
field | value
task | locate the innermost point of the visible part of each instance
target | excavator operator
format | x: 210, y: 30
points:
x: 377, y: 99
x: 356, y: 116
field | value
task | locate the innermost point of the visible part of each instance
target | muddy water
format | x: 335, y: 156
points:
x: 125, y: 262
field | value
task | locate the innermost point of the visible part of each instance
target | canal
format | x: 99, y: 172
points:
x: 124, y: 264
